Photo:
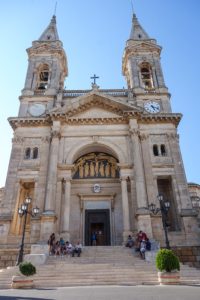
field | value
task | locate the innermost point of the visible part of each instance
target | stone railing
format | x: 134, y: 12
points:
x: 111, y: 92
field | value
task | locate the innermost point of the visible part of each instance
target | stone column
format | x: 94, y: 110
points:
x: 48, y: 219
x: 133, y: 202
x: 138, y: 167
x: 181, y: 181
x: 125, y: 208
x: 52, y: 172
x: 150, y: 183
x: 142, y: 214
x: 66, y: 207
x: 59, y: 204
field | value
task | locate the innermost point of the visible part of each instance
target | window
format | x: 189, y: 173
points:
x: 155, y: 150
x: 163, y: 150
x: 43, y: 77
x: 35, y: 153
x: 27, y: 153
x: 31, y: 153
x: 146, y: 76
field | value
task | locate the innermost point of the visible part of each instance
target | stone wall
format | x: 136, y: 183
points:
x: 8, y: 257
x: 188, y: 255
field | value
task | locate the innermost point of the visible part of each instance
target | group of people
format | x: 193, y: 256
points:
x: 61, y: 248
x: 141, y: 243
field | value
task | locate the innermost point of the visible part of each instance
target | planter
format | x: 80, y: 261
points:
x: 169, y: 278
x: 22, y: 282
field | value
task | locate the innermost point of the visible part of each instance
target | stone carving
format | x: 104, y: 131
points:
x: 134, y: 132
x: 55, y: 134
x: 96, y: 165
x: 46, y: 139
x: 173, y: 136
x: 18, y: 140
x: 143, y: 136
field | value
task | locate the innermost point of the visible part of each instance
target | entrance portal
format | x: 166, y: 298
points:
x: 97, y: 221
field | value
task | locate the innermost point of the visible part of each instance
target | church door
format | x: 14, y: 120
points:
x: 97, y: 221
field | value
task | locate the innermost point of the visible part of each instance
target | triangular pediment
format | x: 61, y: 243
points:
x: 96, y: 112
x: 95, y: 105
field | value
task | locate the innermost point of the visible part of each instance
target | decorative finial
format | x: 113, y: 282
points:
x: 132, y: 6
x: 55, y: 9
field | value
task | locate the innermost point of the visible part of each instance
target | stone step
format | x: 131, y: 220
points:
x: 98, y: 266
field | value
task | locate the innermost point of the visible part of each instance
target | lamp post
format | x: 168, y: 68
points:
x: 23, y: 211
x: 164, y: 208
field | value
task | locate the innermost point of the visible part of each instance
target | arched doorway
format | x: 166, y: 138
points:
x: 96, y: 176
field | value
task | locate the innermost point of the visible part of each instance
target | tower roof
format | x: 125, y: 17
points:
x: 137, y: 32
x: 50, y: 33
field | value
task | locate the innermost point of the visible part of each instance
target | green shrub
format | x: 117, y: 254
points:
x: 167, y: 261
x: 27, y: 269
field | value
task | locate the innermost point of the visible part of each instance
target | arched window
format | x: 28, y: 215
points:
x: 27, y: 153
x: 163, y: 150
x: 35, y: 153
x: 155, y: 150
x: 146, y: 76
x: 43, y: 77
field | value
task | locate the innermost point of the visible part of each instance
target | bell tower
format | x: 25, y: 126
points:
x: 47, y: 69
x: 142, y: 68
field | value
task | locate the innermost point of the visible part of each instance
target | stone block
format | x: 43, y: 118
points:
x: 150, y: 256
x: 187, y: 252
x: 191, y: 258
x: 36, y: 259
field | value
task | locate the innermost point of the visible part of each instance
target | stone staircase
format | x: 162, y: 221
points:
x: 98, y: 266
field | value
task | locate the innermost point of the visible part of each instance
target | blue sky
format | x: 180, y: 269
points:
x: 94, y: 33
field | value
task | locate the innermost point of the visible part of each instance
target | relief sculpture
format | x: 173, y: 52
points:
x: 96, y: 165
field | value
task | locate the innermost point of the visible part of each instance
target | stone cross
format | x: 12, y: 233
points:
x: 94, y: 77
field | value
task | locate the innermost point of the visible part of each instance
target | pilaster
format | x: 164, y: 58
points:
x: 138, y: 167
x: 52, y: 169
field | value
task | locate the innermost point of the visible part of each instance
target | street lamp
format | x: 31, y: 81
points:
x: 164, y: 208
x: 23, y: 211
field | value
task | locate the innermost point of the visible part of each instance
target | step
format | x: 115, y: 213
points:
x: 98, y: 266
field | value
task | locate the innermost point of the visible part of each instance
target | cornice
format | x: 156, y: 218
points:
x: 65, y: 119
x: 160, y: 118
x: 26, y: 122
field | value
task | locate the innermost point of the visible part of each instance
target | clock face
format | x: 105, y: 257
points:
x: 96, y: 188
x: 36, y: 109
x: 152, y: 107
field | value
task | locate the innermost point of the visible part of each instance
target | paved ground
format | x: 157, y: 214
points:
x: 106, y: 293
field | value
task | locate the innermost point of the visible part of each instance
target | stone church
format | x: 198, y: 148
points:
x: 94, y: 160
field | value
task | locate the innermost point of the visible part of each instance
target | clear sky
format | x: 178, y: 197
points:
x: 94, y: 33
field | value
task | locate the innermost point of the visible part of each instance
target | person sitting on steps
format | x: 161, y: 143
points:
x: 77, y: 249
x: 130, y: 242
x: 142, y: 249
x: 140, y: 236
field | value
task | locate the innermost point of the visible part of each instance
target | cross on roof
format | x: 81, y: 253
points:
x: 94, y: 77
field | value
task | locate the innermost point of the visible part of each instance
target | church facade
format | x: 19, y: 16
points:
x: 94, y: 160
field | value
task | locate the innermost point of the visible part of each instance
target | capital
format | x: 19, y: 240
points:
x: 55, y: 134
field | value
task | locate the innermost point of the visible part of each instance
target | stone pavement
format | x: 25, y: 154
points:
x: 105, y: 293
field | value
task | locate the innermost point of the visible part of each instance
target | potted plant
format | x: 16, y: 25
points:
x: 168, y: 265
x: 24, y: 280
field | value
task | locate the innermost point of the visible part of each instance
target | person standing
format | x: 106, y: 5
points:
x: 51, y: 242
x: 94, y: 239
